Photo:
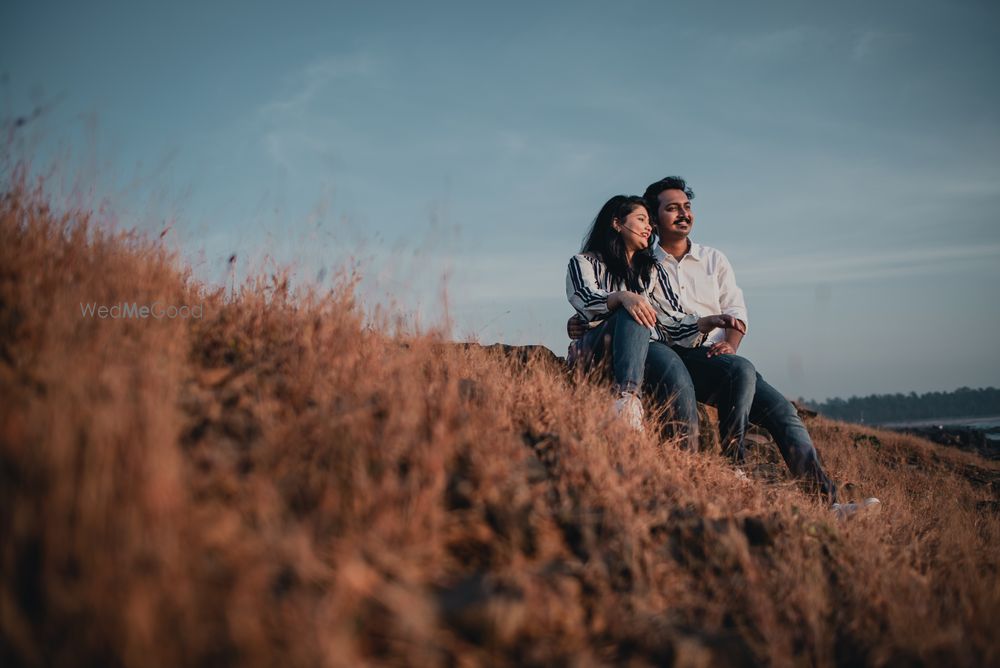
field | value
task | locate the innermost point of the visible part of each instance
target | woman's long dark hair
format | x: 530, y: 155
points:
x: 607, y: 244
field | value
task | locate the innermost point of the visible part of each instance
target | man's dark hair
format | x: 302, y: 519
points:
x: 607, y: 244
x: 652, y: 193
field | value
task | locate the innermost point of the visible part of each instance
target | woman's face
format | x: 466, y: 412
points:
x: 635, y: 229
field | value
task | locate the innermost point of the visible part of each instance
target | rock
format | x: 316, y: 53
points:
x: 522, y: 354
x: 472, y: 391
x: 708, y: 429
x: 804, y: 411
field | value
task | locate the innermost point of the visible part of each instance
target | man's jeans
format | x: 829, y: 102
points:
x: 679, y: 377
x: 741, y: 395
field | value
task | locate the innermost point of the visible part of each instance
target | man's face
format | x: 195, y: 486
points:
x: 674, y: 216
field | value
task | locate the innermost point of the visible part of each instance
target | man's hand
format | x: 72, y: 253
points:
x: 636, y: 305
x: 721, y: 348
x: 736, y: 329
x: 576, y: 327
x: 710, y: 322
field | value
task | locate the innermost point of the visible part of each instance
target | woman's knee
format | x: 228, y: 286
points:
x: 623, y: 324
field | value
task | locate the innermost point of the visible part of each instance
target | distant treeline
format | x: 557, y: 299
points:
x: 878, y: 408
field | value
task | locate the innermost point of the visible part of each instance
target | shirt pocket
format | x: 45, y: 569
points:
x: 704, y: 289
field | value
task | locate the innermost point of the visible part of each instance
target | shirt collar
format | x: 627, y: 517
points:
x: 694, y: 252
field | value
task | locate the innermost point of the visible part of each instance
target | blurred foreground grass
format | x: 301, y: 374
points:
x: 282, y: 483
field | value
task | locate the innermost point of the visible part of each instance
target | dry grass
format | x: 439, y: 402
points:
x: 282, y: 483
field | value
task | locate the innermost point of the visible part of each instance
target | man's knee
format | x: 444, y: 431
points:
x: 674, y: 383
x: 742, y: 372
x: 783, y: 411
x: 779, y: 416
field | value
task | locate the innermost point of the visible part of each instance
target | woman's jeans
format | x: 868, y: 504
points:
x: 638, y: 363
x: 627, y: 342
x: 679, y: 377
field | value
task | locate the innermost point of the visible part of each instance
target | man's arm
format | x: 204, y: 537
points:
x: 731, y: 302
x: 730, y: 344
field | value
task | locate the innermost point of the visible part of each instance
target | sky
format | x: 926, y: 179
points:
x: 845, y: 156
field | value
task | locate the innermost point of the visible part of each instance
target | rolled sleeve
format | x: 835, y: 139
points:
x: 583, y: 289
x: 730, y: 295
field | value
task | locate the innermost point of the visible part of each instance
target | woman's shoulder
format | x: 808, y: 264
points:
x: 587, y: 262
x: 587, y: 256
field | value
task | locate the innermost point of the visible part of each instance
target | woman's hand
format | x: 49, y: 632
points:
x: 710, y: 322
x: 637, y: 306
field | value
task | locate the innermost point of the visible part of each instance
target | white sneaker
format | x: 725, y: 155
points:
x: 869, y: 506
x: 628, y: 407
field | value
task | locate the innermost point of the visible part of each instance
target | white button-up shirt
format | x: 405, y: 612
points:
x: 704, y: 283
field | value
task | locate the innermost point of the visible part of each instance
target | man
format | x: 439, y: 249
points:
x: 702, y: 281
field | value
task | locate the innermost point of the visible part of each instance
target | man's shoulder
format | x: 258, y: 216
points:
x: 709, y: 253
x: 703, y: 250
x: 695, y: 250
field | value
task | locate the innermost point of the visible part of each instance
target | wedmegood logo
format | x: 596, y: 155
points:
x: 133, y: 310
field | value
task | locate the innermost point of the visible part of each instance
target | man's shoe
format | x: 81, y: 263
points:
x: 628, y: 407
x: 869, y: 506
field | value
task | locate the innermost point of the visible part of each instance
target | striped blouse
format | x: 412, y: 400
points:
x: 588, y: 284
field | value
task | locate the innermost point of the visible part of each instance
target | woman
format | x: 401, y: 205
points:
x: 618, y: 287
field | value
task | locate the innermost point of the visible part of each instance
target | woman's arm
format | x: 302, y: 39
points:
x: 592, y: 302
x: 583, y: 288
x: 679, y: 327
x: 673, y: 323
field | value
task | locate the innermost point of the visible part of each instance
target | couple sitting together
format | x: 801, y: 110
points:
x: 669, y: 318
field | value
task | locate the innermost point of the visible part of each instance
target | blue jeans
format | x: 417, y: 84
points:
x: 670, y: 384
x: 678, y: 378
x: 640, y: 364
x: 741, y: 395
x: 627, y: 343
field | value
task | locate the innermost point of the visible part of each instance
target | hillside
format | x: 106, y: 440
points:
x: 280, y: 482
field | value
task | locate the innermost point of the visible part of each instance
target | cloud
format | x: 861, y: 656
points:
x: 859, y: 45
x: 870, y: 42
x: 314, y: 78
x: 975, y: 187
x: 474, y: 276
x: 837, y: 267
x: 776, y: 42
x: 296, y: 131
x: 864, y: 44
